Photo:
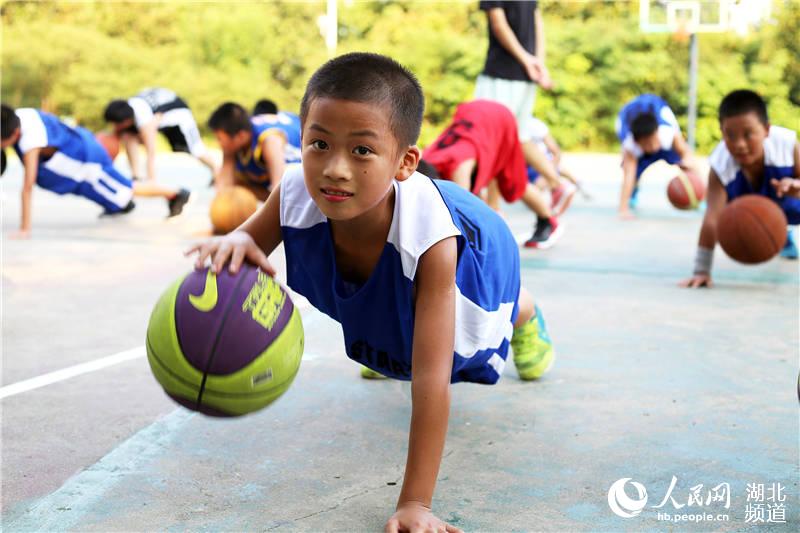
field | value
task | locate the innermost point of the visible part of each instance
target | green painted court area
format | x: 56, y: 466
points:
x: 652, y: 383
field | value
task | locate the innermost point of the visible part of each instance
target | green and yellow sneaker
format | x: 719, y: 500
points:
x: 368, y: 373
x: 533, y: 349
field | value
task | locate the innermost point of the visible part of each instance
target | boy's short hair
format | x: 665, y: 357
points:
x: 265, y: 107
x: 231, y: 118
x: 9, y: 121
x: 643, y: 125
x: 375, y: 79
x: 118, y: 111
x: 743, y: 101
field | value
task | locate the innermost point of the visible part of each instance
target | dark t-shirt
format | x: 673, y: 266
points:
x: 500, y: 63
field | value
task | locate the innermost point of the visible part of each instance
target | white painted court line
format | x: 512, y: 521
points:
x: 70, y: 372
x: 92, y: 366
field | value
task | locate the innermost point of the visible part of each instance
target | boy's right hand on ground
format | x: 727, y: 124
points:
x: 236, y: 247
x: 414, y: 517
x: 697, y: 281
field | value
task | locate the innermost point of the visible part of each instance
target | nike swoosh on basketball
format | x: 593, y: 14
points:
x: 208, y: 300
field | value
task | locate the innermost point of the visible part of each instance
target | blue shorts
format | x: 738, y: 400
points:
x: 670, y: 156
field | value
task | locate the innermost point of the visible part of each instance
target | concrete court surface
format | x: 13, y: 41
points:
x: 651, y: 382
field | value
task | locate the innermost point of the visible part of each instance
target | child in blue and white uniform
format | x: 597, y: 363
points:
x: 69, y: 160
x: 140, y: 118
x: 648, y: 132
x: 255, y: 149
x: 754, y: 157
x: 422, y: 275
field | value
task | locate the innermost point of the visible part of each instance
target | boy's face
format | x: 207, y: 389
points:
x: 649, y: 144
x: 13, y: 138
x: 351, y: 157
x: 230, y: 144
x: 744, y: 137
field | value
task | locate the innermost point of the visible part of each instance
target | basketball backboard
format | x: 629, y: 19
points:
x: 691, y: 16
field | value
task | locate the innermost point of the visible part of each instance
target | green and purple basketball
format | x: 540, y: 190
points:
x: 225, y: 345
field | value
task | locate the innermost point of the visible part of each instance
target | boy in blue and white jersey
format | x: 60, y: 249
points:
x: 255, y: 150
x: 754, y: 157
x: 649, y: 132
x: 156, y: 110
x: 422, y: 275
x: 69, y: 160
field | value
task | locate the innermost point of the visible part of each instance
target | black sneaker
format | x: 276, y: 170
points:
x: 127, y: 209
x: 177, y: 203
x: 546, y: 234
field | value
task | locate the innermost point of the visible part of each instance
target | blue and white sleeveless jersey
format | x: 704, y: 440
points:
x: 646, y: 103
x: 778, y: 163
x: 80, y: 164
x: 378, y: 317
x: 284, y: 124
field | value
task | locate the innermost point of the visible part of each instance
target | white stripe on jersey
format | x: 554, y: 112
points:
x: 421, y: 219
x: 778, y: 152
x: 79, y: 171
x: 32, y: 129
x: 497, y: 363
x: 478, y: 329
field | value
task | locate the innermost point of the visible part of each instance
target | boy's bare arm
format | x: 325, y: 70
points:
x: 148, y: 133
x: 628, y: 183
x: 432, y: 361
x: 31, y: 163
x: 225, y: 176
x: 716, y: 200
x: 273, y: 154
x: 265, y: 225
x: 131, y: 142
x: 682, y: 148
x: 554, y: 148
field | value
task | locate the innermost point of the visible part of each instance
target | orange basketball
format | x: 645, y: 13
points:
x: 231, y: 207
x: 109, y: 141
x: 686, y: 190
x: 752, y: 229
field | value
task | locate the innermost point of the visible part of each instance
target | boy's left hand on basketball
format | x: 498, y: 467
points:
x: 413, y: 517
x: 786, y: 187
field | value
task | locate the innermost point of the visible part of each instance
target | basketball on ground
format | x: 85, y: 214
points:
x: 686, y: 190
x: 225, y: 344
x: 109, y: 141
x: 752, y: 229
x: 231, y: 207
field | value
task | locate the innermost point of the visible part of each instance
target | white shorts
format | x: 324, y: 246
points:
x: 518, y: 96
x: 180, y: 129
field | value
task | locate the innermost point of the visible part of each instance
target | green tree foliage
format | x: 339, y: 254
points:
x: 72, y: 58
